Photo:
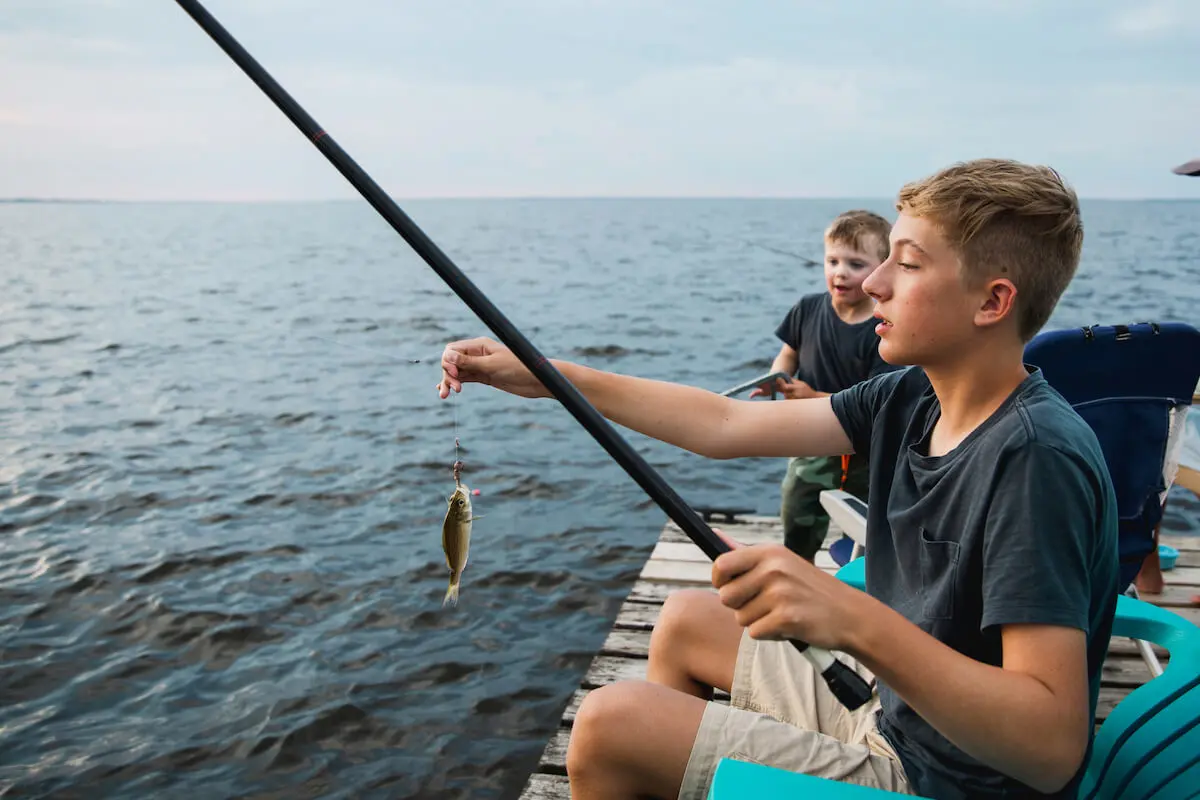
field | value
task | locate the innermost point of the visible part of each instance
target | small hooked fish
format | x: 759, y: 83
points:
x: 456, y: 538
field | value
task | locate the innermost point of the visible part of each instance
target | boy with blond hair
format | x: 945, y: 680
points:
x: 991, y: 575
x: 829, y: 344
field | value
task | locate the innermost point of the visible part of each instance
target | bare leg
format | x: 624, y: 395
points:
x: 1149, y: 579
x: 632, y: 739
x: 695, y: 644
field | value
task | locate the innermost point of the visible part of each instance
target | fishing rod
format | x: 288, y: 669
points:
x: 846, y: 684
x: 808, y: 262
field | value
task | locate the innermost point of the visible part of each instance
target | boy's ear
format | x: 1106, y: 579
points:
x: 999, y: 302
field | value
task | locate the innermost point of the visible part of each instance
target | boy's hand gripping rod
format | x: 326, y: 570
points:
x: 847, y: 685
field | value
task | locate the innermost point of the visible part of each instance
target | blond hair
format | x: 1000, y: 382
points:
x: 1009, y: 219
x: 863, y: 230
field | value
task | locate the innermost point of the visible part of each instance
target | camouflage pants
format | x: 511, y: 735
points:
x: 805, y: 523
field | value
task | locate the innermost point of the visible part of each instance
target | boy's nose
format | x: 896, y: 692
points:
x: 875, y: 284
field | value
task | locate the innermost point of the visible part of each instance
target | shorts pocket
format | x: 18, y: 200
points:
x: 939, y: 565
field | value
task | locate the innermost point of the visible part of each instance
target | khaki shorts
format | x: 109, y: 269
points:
x: 782, y: 714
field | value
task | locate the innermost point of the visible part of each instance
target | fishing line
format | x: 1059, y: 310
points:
x: 458, y: 464
x: 808, y: 262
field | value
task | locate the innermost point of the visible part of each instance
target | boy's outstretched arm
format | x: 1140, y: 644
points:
x: 694, y: 419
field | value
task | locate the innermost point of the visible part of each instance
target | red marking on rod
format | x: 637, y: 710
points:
x: 317, y: 136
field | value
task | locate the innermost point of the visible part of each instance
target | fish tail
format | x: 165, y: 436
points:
x: 451, y: 598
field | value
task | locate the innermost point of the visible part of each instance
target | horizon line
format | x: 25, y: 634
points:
x: 49, y: 200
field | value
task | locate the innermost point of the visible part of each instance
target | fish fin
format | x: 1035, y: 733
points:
x: 472, y: 519
x: 451, y: 598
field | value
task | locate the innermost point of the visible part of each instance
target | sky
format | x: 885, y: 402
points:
x: 131, y: 100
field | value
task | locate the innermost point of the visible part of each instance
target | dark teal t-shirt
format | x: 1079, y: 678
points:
x: 1017, y: 524
x: 831, y: 354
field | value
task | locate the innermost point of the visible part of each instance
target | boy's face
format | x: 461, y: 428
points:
x: 845, y: 270
x: 926, y: 310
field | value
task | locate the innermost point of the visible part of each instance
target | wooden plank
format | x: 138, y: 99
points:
x: 690, y: 573
x: 1188, y: 558
x: 654, y: 592
x: 1120, y: 646
x: 1176, y: 598
x: 1183, y: 576
x: 610, y: 669
x: 630, y: 644
x: 637, y: 616
x: 1181, y: 541
x: 686, y: 551
x: 568, y: 717
x: 554, y: 757
x: 546, y: 787
x: 748, y: 531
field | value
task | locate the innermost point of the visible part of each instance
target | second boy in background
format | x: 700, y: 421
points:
x: 829, y: 344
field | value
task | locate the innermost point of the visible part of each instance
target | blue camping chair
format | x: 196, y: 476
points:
x: 1149, y: 746
x: 1133, y: 384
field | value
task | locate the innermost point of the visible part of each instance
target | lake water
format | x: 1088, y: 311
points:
x: 223, y: 468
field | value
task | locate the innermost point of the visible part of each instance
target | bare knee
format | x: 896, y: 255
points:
x: 600, y: 730
x: 632, y: 739
x: 681, y: 621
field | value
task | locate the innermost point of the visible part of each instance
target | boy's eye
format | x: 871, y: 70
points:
x: 907, y: 265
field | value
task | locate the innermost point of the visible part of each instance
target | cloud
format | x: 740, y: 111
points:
x: 1149, y: 21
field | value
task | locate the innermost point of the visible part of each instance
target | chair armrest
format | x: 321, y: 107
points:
x: 854, y: 573
x: 1152, y: 736
x: 847, y: 512
x: 1137, y: 619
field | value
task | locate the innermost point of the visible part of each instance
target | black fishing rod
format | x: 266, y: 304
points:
x: 808, y: 262
x: 847, y: 685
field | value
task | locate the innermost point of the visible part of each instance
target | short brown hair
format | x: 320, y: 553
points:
x: 1006, y: 218
x: 863, y: 230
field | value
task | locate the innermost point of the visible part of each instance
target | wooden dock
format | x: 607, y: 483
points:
x: 676, y: 563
